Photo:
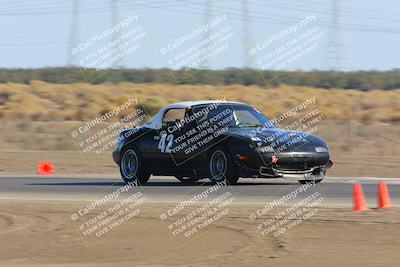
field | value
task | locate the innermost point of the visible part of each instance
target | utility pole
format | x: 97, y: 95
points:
x: 336, y: 45
x: 116, y: 35
x: 246, y: 34
x: 207, y: 34
x: 72, y: 54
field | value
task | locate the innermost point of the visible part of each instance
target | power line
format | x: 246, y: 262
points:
x: 116, y: 34
x: 335, y: 44
x: 235, y: 14
x: 207, y: 34
x: 277, y: 19
x: 345, y: 9
x: 247, y: 37
x: 74, y: 35
x: 280, y: 20
x: 328, y: 12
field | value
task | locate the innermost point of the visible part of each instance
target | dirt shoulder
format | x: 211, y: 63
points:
x: 37, y: 233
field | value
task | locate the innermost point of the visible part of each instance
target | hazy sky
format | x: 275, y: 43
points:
x: 37, y: 33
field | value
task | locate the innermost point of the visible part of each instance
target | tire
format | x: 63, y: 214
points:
x: 310, y: 181
x: 221, y: 167
x: 132, y: 167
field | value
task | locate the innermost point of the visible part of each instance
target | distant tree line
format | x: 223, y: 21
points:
x: 360, y: 80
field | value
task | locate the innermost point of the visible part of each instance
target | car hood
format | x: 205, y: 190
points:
x: 279, y: 139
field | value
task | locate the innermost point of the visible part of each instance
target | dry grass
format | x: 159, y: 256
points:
x: 46, y: 101
x: 361, y: 128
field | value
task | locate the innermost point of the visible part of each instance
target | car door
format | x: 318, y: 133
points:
x: 181, y: 150
x: 165, y: 138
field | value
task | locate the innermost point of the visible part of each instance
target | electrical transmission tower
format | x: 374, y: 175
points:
x: 336, y: 56
x: 116, y: 34
x: 207, y: 34
x: 74, y: 38
x: 72, y: 53
x: 246, y: 33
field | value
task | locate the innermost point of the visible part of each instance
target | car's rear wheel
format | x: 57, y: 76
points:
x: 132, y: 167
x: 222, y: 167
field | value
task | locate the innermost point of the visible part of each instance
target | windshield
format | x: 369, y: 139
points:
x: 233, y: 115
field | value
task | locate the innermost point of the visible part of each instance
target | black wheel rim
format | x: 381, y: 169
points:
x: 129, y: 164
x: 218, y: 165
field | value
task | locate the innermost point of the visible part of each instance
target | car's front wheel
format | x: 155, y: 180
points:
x: 132, y: 167
x: 222, y: 167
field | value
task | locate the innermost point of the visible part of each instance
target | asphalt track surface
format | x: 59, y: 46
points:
x: 337, y: 192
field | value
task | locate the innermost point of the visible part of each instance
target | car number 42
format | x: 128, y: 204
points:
x: 165, y: 143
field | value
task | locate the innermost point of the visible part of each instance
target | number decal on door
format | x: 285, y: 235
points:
x: 165, y: 143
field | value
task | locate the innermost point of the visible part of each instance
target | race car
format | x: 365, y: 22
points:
x: 221, y: 141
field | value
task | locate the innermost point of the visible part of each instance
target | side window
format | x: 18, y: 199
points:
x: 173, y: 115
x: 245, y: 116
x: 173, y: 118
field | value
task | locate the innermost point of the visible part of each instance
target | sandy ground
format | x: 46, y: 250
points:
x: 37, y: 233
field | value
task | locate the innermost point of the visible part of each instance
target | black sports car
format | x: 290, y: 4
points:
x: 221, y: 141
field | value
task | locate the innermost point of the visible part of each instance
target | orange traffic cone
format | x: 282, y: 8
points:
x: 45, y: 168
x: 383, y: 196
x: 359, y: 200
